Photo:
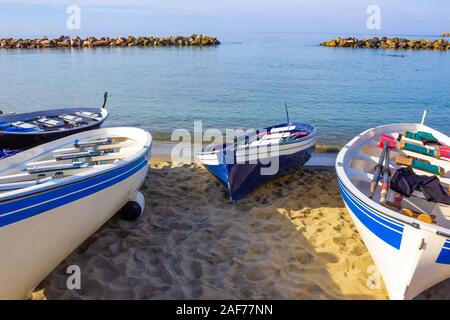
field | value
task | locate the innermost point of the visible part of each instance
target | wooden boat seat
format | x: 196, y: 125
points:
x: 94, y: 143
x: 72, y: 119
x: 50, y: 122
x: 76, y: 155
x: 24, y: 125
x: 281, y: 129
x: 56, y: 167
x: 90, y: 115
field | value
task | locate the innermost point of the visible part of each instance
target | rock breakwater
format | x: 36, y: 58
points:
x: 92, y: 42
x: 388, y: 43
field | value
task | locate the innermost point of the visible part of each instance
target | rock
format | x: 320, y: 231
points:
x: 445, y: 34
x: 121, y: 42
x: 375, y: 42
x: 100, y: 43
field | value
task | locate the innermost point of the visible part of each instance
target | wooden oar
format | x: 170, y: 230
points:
x: 386, y: 176
x: 377, y: 174
x: 94, y: 143
x: 93, y: 159
x: 386, y: 142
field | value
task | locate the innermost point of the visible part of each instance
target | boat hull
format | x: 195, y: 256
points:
x: 27, y: 140
x: 410, y: 260
x: 242, y: 179
x: 38, y: 236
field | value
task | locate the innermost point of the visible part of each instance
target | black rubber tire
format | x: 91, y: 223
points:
x: 131, y: 211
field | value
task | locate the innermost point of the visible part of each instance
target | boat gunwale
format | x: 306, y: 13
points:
x: 347, y: 183
x: 227, y: 146
x: 104, y: 112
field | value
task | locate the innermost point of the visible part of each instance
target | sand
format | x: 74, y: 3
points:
x: 292, y: 239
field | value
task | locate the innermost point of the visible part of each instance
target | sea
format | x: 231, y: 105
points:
x: 242, y: 83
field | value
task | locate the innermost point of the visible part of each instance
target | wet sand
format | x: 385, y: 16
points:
x: 292, y: 239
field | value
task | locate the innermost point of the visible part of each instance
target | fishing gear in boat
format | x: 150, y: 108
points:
x: 405, y: 181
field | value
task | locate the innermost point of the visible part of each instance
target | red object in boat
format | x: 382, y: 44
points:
x: 298, y: 134
x: 445, y: 151
x: 386, y: 138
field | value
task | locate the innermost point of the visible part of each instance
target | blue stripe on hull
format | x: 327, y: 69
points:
x: 243, y: 179
x: 14, y: 211
x: 444, y: 256
x: 384, y: 228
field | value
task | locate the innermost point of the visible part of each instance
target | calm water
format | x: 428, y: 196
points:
x: 242, y: 83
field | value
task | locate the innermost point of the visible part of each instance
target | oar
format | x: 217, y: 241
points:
x: 105, y: 97
x: 386, y: 174
x: 377, y: 174
x: 386, y: 141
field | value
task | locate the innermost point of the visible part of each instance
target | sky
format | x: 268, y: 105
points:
x: 34, y: 18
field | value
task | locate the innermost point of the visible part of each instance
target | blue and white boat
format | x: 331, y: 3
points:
x: 259, y: 157
x: 410, y: 253
x: 54, y: 196
x: 27, y: 130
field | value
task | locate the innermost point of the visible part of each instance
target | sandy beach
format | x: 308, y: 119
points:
x: 292, y: 239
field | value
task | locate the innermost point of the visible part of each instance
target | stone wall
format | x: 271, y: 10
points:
x: 388, y: 43
x: 92, y: 42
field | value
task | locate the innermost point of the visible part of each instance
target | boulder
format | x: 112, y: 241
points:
x: 100, y: 43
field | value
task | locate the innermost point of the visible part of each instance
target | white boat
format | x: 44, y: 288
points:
x: 54, y: 196
x: 411, y: 255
